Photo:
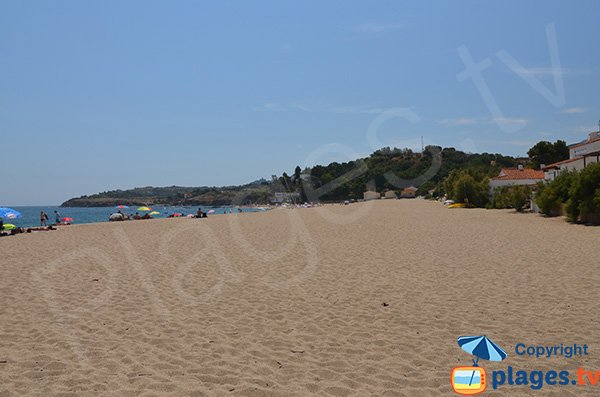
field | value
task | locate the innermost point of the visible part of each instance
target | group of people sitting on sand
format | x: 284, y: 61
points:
x: 19, y: 230
x: 137, y: 216
x: 120, y: 216
x: 44, y: 225
x: 199, y: 214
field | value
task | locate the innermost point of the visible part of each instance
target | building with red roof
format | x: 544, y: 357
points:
x: 520, y: 176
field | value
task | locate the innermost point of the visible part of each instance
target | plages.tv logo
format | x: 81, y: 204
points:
x: 471, y: 380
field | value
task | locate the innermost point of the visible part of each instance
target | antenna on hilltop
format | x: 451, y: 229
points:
x: 423, y: 147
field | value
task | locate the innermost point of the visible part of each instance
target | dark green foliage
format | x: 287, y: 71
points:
x: 467, y: 186
x: 394, y: 169
x: 385, y: 169
x: 545, y: 152
x: 256, y: 192
x: 584, y: 200
x: 580, y: 191
x: 551, y: 196
x: 516, y: 197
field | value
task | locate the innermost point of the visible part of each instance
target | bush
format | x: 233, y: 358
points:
x: 547, y: 200
x: 515, y: 197
x: 584, y: 201
x: 462, y: 187
x: 552, y: 195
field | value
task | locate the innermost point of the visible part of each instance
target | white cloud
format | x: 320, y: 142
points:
x: 459, y: 121
x: 510, y: 121
x: 318, y: 108
x: 464, y: 121
x: 356, y: 109
x: 542, y: 72
x: 575, y: 110
x: 269, y: 107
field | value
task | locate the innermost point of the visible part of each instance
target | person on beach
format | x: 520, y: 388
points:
x: 43, y: 218
x: 199, y: 213
x: 57, y: 217
x: 137, y: 216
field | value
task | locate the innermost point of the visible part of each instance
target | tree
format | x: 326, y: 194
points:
x: 462, y: 187
x: 545, y: 152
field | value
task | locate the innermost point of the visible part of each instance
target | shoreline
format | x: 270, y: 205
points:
x: 35, y: 224
x: 266, y: 209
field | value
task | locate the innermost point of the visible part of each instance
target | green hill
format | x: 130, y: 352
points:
x: 385, y: 169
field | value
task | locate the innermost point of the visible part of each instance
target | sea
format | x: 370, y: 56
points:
x: 31, y: 215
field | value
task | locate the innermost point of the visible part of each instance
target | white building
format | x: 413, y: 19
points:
x: 370, y: 195
x: 409, y: 192
x: 516, y: 177
x: 580, y: 155
x: 284, y: 197
x: 390, y: 194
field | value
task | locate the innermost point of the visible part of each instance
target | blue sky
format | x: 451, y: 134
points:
x: 96, y: 96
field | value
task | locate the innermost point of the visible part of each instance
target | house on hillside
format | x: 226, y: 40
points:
x: 516, y: 177
x: 409, y: 192
x: 370, y: 195
x: 285, y: 197
x: 581, y: 154
x: 390, y: 194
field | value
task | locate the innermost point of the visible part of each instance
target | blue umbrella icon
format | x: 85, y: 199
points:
x: 481, y: 347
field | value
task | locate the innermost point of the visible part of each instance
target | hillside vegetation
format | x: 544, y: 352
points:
x: 385, y: 169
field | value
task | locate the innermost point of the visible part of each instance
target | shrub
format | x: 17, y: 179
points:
x: 552, y: 195
x: 584, y: 200
x: 462, y: 187
x: 515, y: 197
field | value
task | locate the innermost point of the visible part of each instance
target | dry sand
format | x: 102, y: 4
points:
x: 289, y: 302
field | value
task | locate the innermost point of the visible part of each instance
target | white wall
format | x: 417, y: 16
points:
x: 495, y: 183
x: 371, y: 196
x: 584, y: 149
x: 573, y: 165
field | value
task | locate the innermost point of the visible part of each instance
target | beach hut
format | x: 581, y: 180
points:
x: 409, y: 192
x: 390, y: 194
x: 370, y: 195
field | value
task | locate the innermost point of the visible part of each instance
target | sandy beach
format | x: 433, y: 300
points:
x: 291, y: 302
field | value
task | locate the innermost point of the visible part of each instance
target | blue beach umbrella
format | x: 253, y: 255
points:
x: 9, y: 213
x: 481, y: 347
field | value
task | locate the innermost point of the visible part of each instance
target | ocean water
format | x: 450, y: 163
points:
x: 31, y: 215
